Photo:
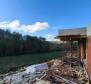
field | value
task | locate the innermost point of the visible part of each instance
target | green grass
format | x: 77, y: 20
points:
x: 13, y: 62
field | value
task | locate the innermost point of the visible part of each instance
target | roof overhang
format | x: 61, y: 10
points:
x: 72, y: 34
x: 71, y: 37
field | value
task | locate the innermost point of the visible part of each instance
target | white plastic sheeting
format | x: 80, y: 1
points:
x: 38, y: 68
x: 22, y: 77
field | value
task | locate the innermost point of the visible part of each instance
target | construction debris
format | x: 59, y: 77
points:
x: 24, y: 77
x: 37, y: 68
x: 60, y: 71
x: 39, y: 81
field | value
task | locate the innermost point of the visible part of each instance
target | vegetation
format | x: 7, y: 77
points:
x: 12, y: 44
x: 14, y: 62
x: 17, y: 50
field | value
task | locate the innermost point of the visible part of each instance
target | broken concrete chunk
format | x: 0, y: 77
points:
x: 39, y: 81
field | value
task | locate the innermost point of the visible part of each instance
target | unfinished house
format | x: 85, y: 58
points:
x: 83, y: 37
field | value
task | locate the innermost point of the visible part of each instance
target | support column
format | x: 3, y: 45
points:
x: 81, y: 50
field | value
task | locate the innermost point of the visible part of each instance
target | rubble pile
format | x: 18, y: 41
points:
x: 73, y: 60
x: 60, y: 73
x: 57, y: 71
x: 25, y: 75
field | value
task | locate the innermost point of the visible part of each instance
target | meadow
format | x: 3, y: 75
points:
x: 10, y: 63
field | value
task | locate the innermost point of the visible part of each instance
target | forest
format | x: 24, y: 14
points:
x: 13, y: 43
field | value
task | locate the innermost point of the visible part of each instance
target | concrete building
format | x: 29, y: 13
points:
x: 83, y: 37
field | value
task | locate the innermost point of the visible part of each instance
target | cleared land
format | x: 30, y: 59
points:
x: 14, y: 62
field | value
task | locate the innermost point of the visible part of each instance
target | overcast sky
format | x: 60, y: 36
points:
x: 44, y: 17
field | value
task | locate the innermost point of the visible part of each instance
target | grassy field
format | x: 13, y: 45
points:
x: 13, y: 62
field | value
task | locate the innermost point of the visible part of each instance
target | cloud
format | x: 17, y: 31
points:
x: 7, y: 24
x: 18, y: 27
x: 50, y: 37
x: 35, y: 27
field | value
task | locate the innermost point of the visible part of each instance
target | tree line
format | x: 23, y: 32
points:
x: 16, y: 44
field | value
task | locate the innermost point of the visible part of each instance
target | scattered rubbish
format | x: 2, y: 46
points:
x: 39, y: 81
x: 30, y: 69
x: 56, y: 71
x: 37, y: 68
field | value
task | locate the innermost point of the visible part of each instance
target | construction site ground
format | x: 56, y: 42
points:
x: 64, y: 70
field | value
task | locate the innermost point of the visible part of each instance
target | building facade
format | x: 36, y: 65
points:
x: 83, y: 37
